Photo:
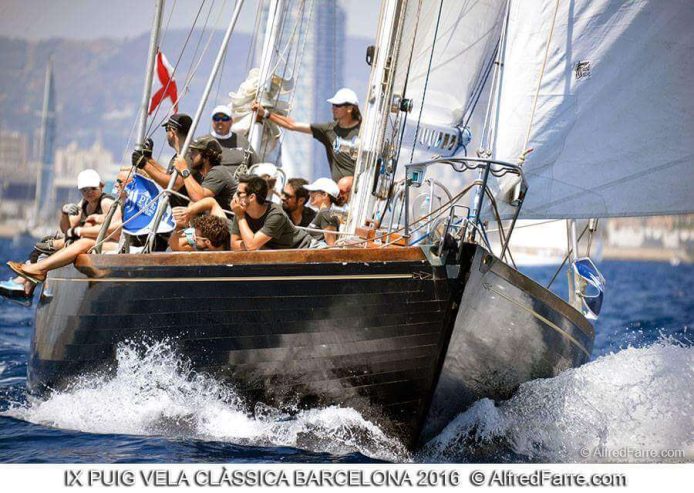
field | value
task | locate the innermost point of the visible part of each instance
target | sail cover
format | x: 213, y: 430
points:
x: 613, y: 128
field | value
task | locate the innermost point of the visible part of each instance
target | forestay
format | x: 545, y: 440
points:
x: 613, y: 128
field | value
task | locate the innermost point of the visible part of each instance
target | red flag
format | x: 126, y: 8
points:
x: 168, y: 85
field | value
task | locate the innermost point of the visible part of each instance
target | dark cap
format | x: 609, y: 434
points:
x: 207, y: 143
x: 180, y: 121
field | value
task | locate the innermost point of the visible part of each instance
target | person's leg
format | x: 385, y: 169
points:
x: 60, y: 258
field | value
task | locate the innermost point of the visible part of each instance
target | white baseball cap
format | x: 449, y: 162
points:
x: 324, y: 185
x: 343, y: 96
x: 223, y: 109
x: 88, y: 179
x: 262, y: 169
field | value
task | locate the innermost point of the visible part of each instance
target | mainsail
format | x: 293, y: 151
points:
x: 602, y: 91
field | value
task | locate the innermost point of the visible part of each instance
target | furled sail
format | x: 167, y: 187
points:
x: 612, y: 119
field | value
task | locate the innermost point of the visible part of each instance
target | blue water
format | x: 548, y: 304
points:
x: 638, y: 391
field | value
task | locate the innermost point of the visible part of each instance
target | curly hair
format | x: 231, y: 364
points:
x: 214, y: 229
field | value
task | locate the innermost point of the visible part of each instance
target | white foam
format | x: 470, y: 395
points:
x: 155, y: 393
x: 636, y: 399
x: 610, y: 410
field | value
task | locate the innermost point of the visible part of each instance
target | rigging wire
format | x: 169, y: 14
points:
x: 426, y: 80
x: 224, y: 61
x: 488, y: 128
x: 128, y: 142
x: 282, y: 55
x: 404, y: 122
x: 166, y: 27
x: 539, y: 81
x: 254, y: 39
x: 180, y: 56
x: 193, y: 69
x: 300, y: 54
x: 568, y: 254
x: 481, y: 83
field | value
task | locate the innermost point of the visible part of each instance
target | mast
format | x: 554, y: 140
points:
x: 44, y: 176
x: 144, y: 106
x: 164, y: 202
x: 274, y: 21
x: 149, y: 74
x: 377, y: 109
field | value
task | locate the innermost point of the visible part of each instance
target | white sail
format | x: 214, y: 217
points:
x: 463, y: 41
x: 613, y: 128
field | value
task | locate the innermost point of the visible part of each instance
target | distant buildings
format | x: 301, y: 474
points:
x: 657, y: 238
x: 70, y: 160
x: 14, y: 155
x: 19, y: 173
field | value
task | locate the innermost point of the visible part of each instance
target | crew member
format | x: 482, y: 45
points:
x: 83, y: 237
x: 88, y: 211
x: 234, y: 145
x: 294, y: 202
x: 324, y: 193
x: 339, y: 137
x: 206, y: 233
x: 177, y: 128
x: 205, y: 177
x: 345, y: 186
x: 261, y: 224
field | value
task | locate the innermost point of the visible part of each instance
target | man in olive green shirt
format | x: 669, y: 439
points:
x: 339, y: 137
x: 261, y: 224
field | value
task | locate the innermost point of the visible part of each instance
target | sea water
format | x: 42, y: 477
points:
x: 635, y: 396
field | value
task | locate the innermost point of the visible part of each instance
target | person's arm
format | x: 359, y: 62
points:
x: 69, y: 216
x: 252, y: 241
x: 178, y: 242
x: 237, y: 243
x: 242, y: 231
x: 330, y: 238
x: 283, y: 121
x: 158, y: 173
x: 73, y: 221
x: 106, y: 204
x: 93, y: 224
x: 208, y: 204
x: 195, y: 190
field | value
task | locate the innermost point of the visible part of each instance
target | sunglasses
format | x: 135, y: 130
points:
x: 88, y: 189
x: 221, y: 118
x: 341, y: 105
x: 288, y: 196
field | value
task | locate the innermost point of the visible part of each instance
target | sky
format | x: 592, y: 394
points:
x: 91, y: 19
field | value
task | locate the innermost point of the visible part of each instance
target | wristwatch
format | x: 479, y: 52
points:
x: 185, y: 173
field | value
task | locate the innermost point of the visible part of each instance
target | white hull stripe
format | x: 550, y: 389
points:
x: 238, y: 279
x: 542, y: 319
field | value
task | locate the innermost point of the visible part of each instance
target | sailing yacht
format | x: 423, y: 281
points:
x: 414, y: 318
